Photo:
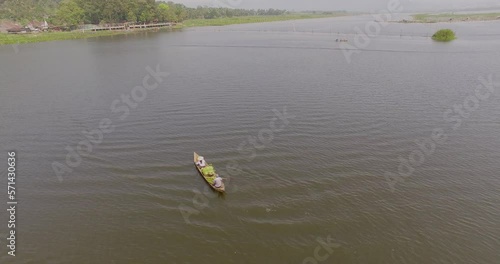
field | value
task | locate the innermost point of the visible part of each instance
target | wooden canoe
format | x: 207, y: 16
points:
x: 221, y: 189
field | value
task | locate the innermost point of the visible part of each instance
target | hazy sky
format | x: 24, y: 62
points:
x: 350, y: 5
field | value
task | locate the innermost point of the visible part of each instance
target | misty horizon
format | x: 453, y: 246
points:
x: 346, y: 5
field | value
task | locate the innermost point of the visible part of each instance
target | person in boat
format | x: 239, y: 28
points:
x: 217, y: 182
x: 201, y: 162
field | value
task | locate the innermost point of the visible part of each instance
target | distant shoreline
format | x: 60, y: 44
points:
x: 256, y: 19
x: 452, y: 18
x: 6, y: 38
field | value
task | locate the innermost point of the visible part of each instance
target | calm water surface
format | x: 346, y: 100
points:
x: 321, y: 176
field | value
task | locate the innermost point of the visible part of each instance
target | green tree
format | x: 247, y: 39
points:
x: 92, y: 10
x: 69, y: 13
x: 146, y: 10
x: 131, y: 17
x: 27, y: 10
x: 162, y: 12
x: 146, y: 16
x: 114, y: 11
x: 180, y: 12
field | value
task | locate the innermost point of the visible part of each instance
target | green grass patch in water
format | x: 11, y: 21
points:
x: 444, y: 35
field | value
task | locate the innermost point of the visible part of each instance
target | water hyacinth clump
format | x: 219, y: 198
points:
x: 444, y: 35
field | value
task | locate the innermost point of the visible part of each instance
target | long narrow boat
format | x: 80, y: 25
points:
x: 208, y: 179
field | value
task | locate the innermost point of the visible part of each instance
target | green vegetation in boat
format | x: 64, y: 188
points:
x: 207, y: 171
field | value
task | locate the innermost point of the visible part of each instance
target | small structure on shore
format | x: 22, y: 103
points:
x: 19, y: 30
x: 45, y: 26
x: 32, y: 27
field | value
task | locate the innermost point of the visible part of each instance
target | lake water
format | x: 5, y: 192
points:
x: 317, y: 174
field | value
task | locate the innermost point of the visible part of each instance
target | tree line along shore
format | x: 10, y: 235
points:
x: 72, y: 19
x: 6, y: 38
x: 71, y: 13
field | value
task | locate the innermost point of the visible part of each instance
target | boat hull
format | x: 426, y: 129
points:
x: 222, y: 189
